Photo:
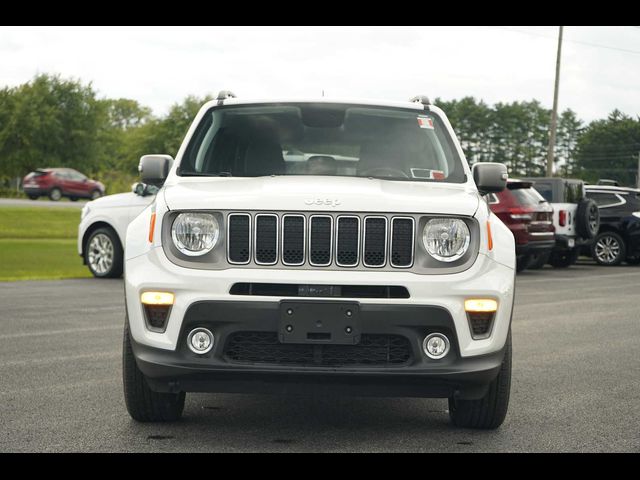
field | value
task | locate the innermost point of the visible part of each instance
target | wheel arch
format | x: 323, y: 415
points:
x: 92, y: 228
x: 610, y: 228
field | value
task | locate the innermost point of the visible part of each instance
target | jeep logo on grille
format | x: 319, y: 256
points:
x: 329, y: 202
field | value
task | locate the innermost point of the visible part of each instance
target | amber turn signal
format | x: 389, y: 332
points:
x: 152, y: 226
x: 157, y: 298
x: 480, y: 305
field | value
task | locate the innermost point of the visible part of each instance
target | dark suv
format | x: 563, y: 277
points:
x: 530, y: 218
x: 619, y: 236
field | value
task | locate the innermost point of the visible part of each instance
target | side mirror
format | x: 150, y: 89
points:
x: 154, y: 169
x: 490, y: 177
x: 139, y: 189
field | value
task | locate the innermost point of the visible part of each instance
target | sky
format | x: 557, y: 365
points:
x: 159, y: 66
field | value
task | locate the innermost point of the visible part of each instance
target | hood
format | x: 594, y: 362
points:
x: 115, y: 200
x: 332, y: 194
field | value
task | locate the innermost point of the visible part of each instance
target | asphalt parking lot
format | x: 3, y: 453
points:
x: 576, y: 383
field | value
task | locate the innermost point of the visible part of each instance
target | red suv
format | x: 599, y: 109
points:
x: 530, y: 217
x: 61, y: 182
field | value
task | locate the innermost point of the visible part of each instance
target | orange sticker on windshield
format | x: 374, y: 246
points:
x: 425, y: 122
x: 437, y: 174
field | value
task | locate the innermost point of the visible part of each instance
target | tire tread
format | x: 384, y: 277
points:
x: 143, y: 404
x: 118, y: 253
x: 489, y: 411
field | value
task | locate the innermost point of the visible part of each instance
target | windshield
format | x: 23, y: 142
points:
x: 322, y: 139
x: 527, y: 196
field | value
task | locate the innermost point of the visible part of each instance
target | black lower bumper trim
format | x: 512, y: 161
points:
x: 182, y: 370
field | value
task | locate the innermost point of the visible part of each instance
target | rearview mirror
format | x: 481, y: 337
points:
x: 154, y: 169
x: 490, y: 177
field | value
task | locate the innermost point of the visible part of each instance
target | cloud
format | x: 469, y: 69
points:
x: 159, y: 66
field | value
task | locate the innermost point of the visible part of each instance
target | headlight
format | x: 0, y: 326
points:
x: 85, y: 212
x: 446, y: 239
x: 195, y: 233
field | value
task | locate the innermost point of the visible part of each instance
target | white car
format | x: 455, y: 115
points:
x: 103, y: 225
x: 377, y: 269
x: 576, y: 217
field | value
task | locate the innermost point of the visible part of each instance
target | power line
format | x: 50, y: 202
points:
x: 535, y: 34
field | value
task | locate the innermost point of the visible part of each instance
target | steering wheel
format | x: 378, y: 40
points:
x: 383, y: 172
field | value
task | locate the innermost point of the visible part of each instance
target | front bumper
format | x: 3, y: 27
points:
x: 486, y: 278
x: 420, y: 376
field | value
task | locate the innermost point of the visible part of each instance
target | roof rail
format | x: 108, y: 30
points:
x: 423, y: 99
x: 223, y: 95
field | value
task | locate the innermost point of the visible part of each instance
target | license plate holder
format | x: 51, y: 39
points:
x: 319, y: 323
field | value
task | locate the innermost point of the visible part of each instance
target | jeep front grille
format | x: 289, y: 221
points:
x: 320, y: 240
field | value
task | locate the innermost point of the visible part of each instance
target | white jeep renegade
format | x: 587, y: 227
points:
x: 304, y: 245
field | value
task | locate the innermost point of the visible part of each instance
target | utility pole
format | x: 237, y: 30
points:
x: 554, y: 112
x: 638, y: 175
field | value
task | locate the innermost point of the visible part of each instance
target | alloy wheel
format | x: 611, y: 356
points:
x: 101, y: 254
x: 607, y: 249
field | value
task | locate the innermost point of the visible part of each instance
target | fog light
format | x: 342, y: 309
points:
x: 435, y: 346
x: 200, y: 340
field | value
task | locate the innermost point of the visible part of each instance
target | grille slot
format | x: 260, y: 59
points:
x: 402, y: 240
x: 293, y: 228
x: 347, y: 241
x: 375, y: 241
x: 266, y: 239
x: 239, y: 231
x: 320, y: 240
x: 264, y: 348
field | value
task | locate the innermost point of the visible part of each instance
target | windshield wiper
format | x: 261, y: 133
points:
x: 204, y: 174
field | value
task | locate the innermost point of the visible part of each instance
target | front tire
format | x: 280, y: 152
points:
x: 143, y: 404
x: 55, y: 194
x: 522, y: 262
x: 564, y: 259
x: 103, y: 254
x: 633, y: 260
x: 95, y: 194
x: 539, y: 260
x: 487, y: 412
x: 608, y: 249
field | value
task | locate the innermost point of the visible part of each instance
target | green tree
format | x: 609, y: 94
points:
x: 47, y: 122
x: 525, y: 126
x: 119, y: 120
x: 471, y: 121
x: 609, y: 149
x: 569, y: 130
